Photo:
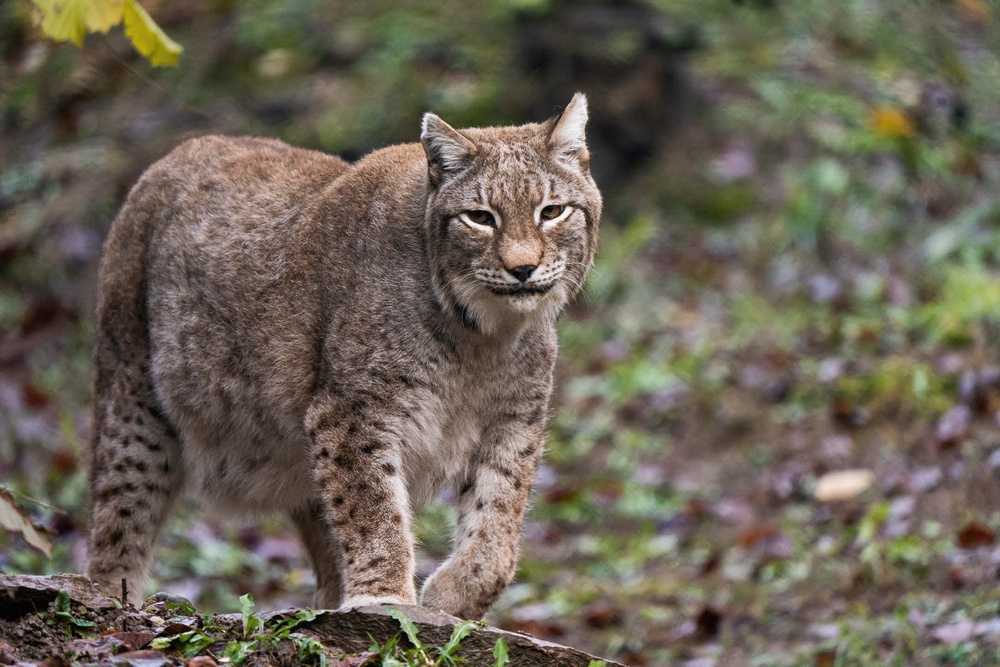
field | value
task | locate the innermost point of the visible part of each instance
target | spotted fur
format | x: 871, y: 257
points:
x: 283, y: 331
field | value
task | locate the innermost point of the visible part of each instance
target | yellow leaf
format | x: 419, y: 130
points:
x: 976, y: 11
x: 891, y: 122
x: 148, y: 38
x: 70, y: 20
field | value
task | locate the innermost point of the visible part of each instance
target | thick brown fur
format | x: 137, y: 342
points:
x: 283, y: 331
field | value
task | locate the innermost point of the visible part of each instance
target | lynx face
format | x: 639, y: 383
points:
x: 515, y: 211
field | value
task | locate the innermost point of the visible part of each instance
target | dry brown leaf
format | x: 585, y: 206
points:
x: 975, y: 534
x: 16, y: 519
x: 843, y: 485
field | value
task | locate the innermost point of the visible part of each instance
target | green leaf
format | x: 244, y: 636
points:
x: 500, y: 653
x: 193, y: 643
x: 309, y: 648
x: 250, y: 621
x: 407, y: 625
x: 71, y: 20
x: 189, y: 643
x: 460, y: 632
x: 597, y: 663
x: 182, y: 608
x: 238, y: 651
x: 284, y: 626
x: 62, y: 602
x: 148, y: 38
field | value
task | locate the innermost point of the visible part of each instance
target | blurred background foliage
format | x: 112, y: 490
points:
x: 799, y: 274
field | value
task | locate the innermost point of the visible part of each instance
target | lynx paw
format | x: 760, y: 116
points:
x: 443, y: 592
x: 455, y: 591
x: 368, y: 601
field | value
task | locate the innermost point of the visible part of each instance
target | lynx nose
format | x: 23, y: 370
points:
x: 522, y: 272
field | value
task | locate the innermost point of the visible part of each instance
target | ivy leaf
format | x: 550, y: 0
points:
x: 148, y: 38
x: 71, y: 20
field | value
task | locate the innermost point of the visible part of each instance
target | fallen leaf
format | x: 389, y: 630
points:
x: 975, y: 11
x: 891, y: 122
x: 133, y: 640
x: 634, y: 658
x: 843, y: 485
x: 601, y: 614
x: 173, y: 629
x: 953, y: 426
x: 206, y: 661
x: 733, y: 511
x: 957, y: 576
x: 367, y: 657
x: 708, y: 623
x: 64, y: 461
x: 711, y: 565
x: 825, y: 658
x: 924, y: 479
x: 33, y: 397
x: 767, y: 542
x: 955, y: 633
x: 846, y: 413
x: 16, y: 519
x: 975, y: 534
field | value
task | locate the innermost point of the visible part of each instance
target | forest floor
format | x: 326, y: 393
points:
x: 802, y: 279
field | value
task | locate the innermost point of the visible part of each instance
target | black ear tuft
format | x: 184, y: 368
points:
x: 568, y: 136
x: 448, y: 150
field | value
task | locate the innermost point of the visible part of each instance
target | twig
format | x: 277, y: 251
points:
x: 29, y: 499
x: 166, y: 93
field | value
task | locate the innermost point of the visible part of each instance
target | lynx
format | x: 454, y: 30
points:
x: 281, y: 330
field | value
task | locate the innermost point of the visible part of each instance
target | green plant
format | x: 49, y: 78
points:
x: 418, y: 655
x: 256, y: 635
x: 188, y: 644
x: 500, y: 653
x: 63, y: 615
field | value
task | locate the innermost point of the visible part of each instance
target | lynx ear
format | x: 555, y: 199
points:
x: 447, y: 149
x: 567, y: 136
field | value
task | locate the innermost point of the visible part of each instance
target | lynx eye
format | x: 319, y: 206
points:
x: 551, y: 212
x: 483, y: 218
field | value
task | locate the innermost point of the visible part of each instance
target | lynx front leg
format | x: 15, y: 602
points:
x: 357, y: 470
x: 491, y: 508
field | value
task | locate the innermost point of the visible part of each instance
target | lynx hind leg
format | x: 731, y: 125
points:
x: 136, y: 477
x: 324, y: 553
